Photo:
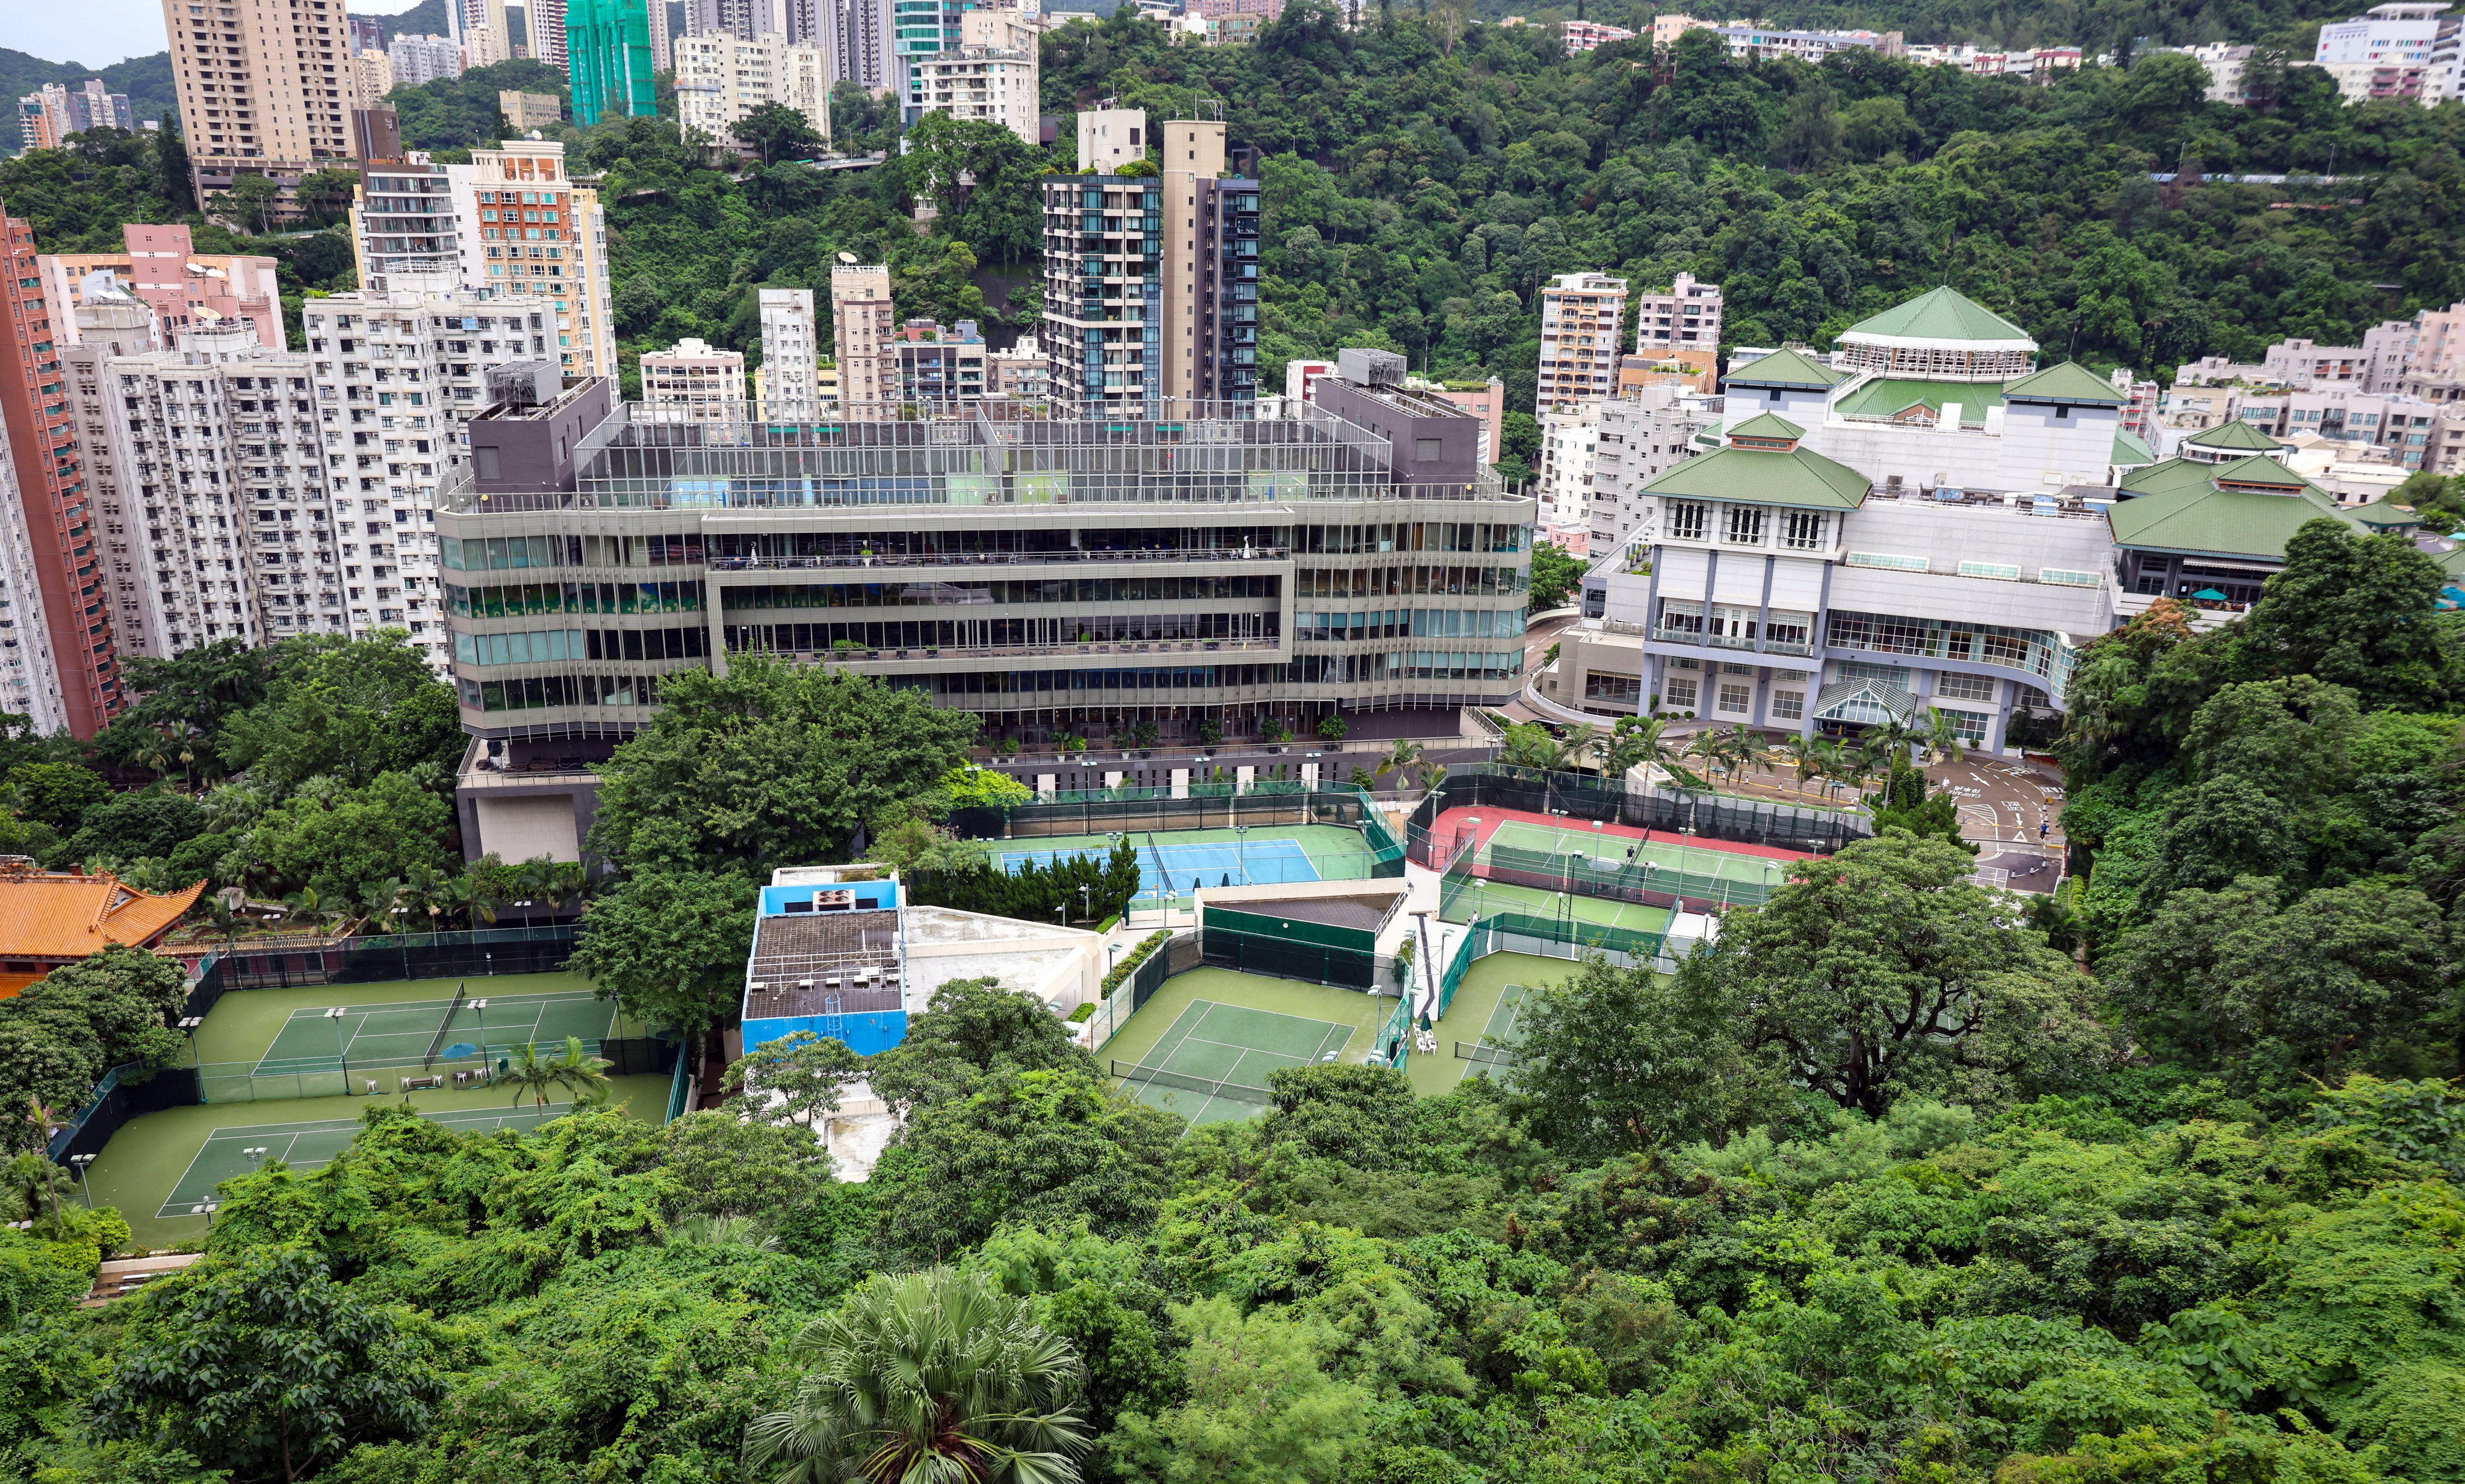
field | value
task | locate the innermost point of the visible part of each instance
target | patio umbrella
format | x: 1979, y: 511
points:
x: 2209, y: 595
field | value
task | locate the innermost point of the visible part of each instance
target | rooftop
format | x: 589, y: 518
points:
x: 2070, y: 383
x: 1943, y: 316
x: 1890, y: 397
x: 57, y: 916
x: 2250, y: 507
x: 1786, y: 366
x: 824, y: 962
x: 1765, y: 476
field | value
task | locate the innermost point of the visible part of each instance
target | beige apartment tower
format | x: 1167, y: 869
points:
x: 862, y: 323
x: 264, y: 87
x: 1583, y: 323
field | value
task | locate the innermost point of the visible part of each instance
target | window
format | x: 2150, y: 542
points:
x: 1998, y: 571
x: 1426, y: 450
x: 1689, y: 519
x: 2061, y: 578
x: 1803, y: 530
x: 1737, y: 698
x: 1623, y: 690
x: 1788, y: 705
x: 1680, y: 619
x: 1681, y: 694
x: 1745, y: 526
x: 1967, y: 687
x: 1967, y: 726
x: 1887, y: 562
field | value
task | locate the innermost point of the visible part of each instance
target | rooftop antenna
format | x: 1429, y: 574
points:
x: 847, y: 258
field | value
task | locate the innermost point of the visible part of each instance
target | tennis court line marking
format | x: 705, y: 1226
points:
x: 290, y: 1134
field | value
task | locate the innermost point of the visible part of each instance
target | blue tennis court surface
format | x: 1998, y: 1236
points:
x: 1249, y: 863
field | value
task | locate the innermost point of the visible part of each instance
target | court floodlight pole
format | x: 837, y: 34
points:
x: 340, y: 1055
x: 480, y: 1008
x: 82, y: 1162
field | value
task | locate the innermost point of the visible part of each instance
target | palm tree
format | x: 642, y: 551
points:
x: 535, y: 880
x: 1585, y: 743
x: 36, y: 1182
x: 1432, y: 774
x: 1399, y: 756
x: 1746, y: 750
x: 585, y: 1073
x: 471, y: 896
x: 1710, y: 747
x: 1805, y: 755
x: 933, y: 1376
x: 1937, y: 740
x: 302, y: 905
x: 531, y: 1078
x: 729, y: 1231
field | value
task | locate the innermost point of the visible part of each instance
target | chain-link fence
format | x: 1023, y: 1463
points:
x: 1581, y: 796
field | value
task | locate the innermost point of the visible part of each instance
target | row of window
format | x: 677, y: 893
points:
x: 1409, y: 624
x: 1749, y: 525
x: 514, y: 553
x: 543, y: 691
x: 1060, y: 590
x: 1989, y: 644
x: 965, y: 634
x: 1992, y: 572
x: 542, y: 646
x: 517, y: 600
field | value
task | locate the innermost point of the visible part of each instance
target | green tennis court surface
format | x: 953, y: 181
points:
x: 1477, y: 898
x: 1487, y: 1056
x: 1212, y: 1063
x: 406, y: 1033
x: 1263, y: 855
x: 306, y: 1146
x: 1613, y: 851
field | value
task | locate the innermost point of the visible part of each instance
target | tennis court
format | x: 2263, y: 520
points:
x: 1175, y: 862
x: 306, y: 1146
x: 412, y: 1033
x: 1214, y: 1061
x: 1487, y: 1055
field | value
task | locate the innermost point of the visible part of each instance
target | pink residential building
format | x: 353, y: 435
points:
x: 184, y: 288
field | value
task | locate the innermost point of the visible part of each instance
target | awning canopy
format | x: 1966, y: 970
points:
x: 1864, y: 703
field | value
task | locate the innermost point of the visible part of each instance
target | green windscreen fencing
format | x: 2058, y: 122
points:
x: 1325, y: 934
x: 1203, y: 807
x: 1551, y: 937
x: 1646, y: 882
x: 680, y: 1089
x: 1708, y: 816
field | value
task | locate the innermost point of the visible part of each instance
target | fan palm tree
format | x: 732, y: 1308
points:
x: 302, y: 905
x: 1745, y: 750
x: 1432, y: 774
x: 531, y: 1078
x: 1711, y: 747
x: 1936, y: 740
x: 586, y: 1075
x: 1805, y: 757
x: 934, y: 1375
x: 471, y: 896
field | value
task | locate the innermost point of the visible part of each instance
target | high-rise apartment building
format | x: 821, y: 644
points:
x: 184, y: 288
x: 861, y: 322
x: 1582, y: 321
x: 941, y: 366
x: 366, y: 34
x: 52, y: 490
x: 1685, y: 318
x: 218, y: 525
x: 608, y: 59
x: 529, y: 110
x: 722, y: 78
x: 38, y: 127
x: 1151, y: 280
x: 790, y: 345
x: 523, y: 226
x: 992, y: 74
x: 693, y: 382
x: 867, y: 44
x: 53, y: 112
x: 417, y: 59
x: 262, y: 87
x: 111, y: 322
x: 1642, y: 436
x: 544, y: 21
x: 397, y: 374
x: 921, y: 29
x: 371, y: 78
x: 480, y: 29
x: 403, y: 222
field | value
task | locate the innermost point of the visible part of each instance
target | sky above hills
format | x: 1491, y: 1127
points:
x: 102, y: 31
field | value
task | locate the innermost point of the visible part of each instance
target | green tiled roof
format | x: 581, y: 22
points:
x: 1767, y: 425
x: 2235, y: 436
x: 2070, y: 382
x: 2178, y: 506
x: 2129, y: 450
x: 1765, y: 476
x: 1786, y: 369
x: 1941, y: 314
x: 2382, y: 516
x: 1889, y: 397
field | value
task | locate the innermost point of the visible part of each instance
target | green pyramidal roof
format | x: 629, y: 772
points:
x: 1769, y: 427
x: 1765, y: 476
x: 2235, y: 436
x: 1786, y: 369
x: 2129, y: 450
x: 2068, y: 383
x: 1941, y: 314
x: 2213, y: 509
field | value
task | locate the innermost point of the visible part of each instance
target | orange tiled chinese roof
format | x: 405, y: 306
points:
x: 66, y: 916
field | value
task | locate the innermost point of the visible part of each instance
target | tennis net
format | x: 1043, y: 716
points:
x: 1130, y: 1073
x: 1487, y: 1055
x: 461, y: 992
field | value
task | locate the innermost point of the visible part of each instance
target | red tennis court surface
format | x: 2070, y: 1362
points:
x: 1445, y: 832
